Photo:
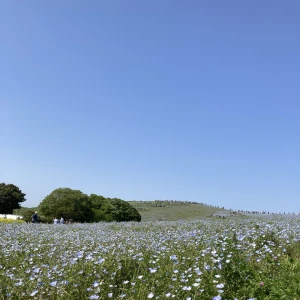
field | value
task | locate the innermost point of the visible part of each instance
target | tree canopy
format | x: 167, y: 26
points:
x: 123, y: 211
x: 73, y: 204
x: 10, y: 198
x: 67, y: 203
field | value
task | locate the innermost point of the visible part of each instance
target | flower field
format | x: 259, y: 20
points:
x: 213, y: 259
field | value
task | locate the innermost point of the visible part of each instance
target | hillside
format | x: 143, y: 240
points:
x: 176, y: 210
x: 167, y: 210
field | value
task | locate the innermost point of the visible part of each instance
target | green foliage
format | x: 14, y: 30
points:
x: 67, y: 203
x: 73, y: 204
x: 107, y: 209
x: 10, y: 198
x: 27, y: 216
x: 101, y: 208
x: 23, y: 210
x: 123, y: 211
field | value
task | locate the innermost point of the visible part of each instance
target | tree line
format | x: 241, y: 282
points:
x: 72, y: 205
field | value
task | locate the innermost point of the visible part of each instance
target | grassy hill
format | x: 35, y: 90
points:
x: 167, y: 211
x: 172, y: 211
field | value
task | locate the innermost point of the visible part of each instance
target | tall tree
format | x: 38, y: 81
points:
x: 10, y: 198
x: 71, y: 204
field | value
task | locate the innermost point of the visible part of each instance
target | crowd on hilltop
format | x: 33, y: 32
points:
x: 164, y: 203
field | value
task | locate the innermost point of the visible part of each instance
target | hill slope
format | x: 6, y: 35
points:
x: 167, y: 211
x: 177, y: 210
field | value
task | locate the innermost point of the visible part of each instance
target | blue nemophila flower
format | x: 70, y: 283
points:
x: 152, y: 270
x: 95, y: 284
x: 34, y: 293
x: 150, y: 295
x: 111, y: 244
x: 53, y: 283
x: 94, y: 297
x: 36, y: 270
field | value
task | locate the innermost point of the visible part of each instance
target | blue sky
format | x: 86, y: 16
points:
x: 186, y: 100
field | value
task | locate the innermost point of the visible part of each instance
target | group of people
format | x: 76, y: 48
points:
x: 56, y: 221
x: 35, y: 219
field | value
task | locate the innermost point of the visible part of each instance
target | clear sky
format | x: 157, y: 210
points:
x: 144, y: 100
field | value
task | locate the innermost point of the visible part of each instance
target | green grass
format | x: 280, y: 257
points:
x: 175, y: 212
